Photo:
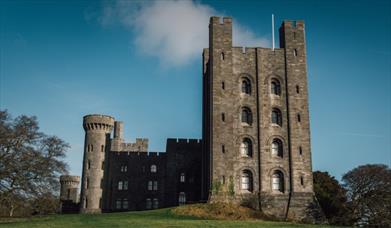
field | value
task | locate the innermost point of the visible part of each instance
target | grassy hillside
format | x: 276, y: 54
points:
x: 154, y: 218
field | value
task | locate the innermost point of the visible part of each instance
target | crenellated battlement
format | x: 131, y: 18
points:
x: 98, y: 122
x: 183, y: 141
x: 138, y: 154
x: 293, y: 24
x: 69, y: 180
x: 220, y: 20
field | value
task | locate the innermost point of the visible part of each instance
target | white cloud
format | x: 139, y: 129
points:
x: 174, y: 31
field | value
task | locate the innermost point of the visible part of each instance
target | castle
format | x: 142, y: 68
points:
x: 255, y: 148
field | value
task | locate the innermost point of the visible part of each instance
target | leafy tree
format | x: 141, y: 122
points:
x: 332, y: 198
x: 30, y: 162
x: 369, y: 194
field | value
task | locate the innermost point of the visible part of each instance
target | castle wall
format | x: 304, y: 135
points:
x: 184, y: 156
x: 137, y: 174
x: 181, y: 156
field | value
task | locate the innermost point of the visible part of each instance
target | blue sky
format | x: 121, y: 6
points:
x: 141, y: 63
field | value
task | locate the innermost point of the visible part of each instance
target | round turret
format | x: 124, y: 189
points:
x: 69, y: 188
x: 97, y: 140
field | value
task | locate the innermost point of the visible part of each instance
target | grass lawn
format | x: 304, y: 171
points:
x: 154, y: 218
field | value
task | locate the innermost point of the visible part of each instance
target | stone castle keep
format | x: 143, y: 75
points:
x: 255, y: 148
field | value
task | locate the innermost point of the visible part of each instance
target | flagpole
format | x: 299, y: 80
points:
x: 273, y: 32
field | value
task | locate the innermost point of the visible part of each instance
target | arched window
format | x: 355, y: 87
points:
x: 153, y: 168
x: 277, y: 148
x: 247, y: 117
x: 246, y: 86
x: 182, y: 178
x: 275, y: 87
x: 182, y: 198
x: 276, y: 116
x: 247, y: 181
x: 278, y: 181
x: 246, y: 147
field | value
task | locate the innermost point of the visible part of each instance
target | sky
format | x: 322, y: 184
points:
x: 140, y: 62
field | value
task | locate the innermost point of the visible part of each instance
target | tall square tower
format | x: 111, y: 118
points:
x: 256, y: 122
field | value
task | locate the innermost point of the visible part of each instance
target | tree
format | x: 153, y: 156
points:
x: 30, y: 161
x: 369, y: 194
x: 332, y: 198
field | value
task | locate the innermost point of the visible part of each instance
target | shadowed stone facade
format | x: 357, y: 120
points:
x: 256, y: 138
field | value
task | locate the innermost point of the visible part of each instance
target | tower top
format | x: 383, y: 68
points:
x: 68, y: 178
x: 98, y: 122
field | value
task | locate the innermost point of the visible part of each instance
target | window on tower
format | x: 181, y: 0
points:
x: 246, y: 86
x: 275, y: 87
x: 276, y: 116
x: 278, y: 181
x: 247, y: 116
x: 246, y: 147
x: 247, y: 181
x: 277, y: 148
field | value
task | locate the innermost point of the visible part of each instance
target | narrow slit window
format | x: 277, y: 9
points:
x: 223, y: 148
x: 300, y: 150
x: 295, y: 52
x: 298, y: 118
x: 222, y: 85
x: 222, y: 56
x: 223, y: 117
x: 297, y: 89
x: 301, y: 180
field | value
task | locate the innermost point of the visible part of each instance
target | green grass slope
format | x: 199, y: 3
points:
x: 154, y: 218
